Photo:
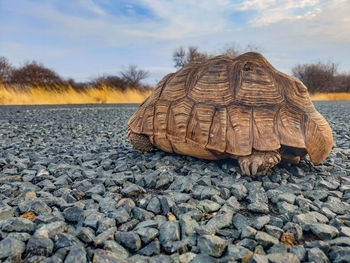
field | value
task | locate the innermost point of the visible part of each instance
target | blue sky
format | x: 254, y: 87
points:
x: 83, y: 39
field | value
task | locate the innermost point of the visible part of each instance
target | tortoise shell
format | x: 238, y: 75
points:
x: 226, y: 107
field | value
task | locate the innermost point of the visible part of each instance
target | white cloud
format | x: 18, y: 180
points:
x: 273, y: 11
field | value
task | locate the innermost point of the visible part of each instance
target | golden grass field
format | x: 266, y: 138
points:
x: 38, y: 95
x: 330, y: 96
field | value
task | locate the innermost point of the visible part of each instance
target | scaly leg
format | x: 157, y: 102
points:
x: 140, y: 142
x: 258, y: 161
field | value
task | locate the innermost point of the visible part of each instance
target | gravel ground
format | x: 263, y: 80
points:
x: 72, y: 189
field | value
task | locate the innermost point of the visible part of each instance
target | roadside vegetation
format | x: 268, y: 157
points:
x: 33, y: 83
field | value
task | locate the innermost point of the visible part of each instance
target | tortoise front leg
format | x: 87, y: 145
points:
x: 140, y: 142
x: 258, y: 161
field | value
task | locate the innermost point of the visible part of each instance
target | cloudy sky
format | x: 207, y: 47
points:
x: 86, y: 38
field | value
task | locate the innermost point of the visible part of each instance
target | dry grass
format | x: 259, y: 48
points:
x: 37, y: 95
x: 330, y: 96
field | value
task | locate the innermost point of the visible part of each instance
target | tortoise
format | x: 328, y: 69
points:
x: 240, y: 108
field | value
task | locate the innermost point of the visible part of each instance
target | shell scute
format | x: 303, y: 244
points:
x: 199, y: 125
x: 178, y: 117
x: 239, y: 137
x: 290, y: 125
x: 265, y: 135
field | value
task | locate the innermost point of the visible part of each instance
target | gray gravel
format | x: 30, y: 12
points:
x: 72, y: 189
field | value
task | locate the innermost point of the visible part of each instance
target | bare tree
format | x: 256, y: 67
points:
x: 33, y: 73
x: 6, y: 70
x: 318, y: 77
x: 133, y: 76
x: 179, y: 57
x: 183, y: 56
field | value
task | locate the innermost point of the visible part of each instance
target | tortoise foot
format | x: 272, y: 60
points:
x: 258, y: 161
x: 140, y: 142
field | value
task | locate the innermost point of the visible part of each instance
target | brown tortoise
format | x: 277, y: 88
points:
x: 241, y: 108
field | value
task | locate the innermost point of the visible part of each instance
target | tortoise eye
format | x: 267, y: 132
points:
x: 248, y: 66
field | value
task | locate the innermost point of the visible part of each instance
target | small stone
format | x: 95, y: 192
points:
x: 104, y: 224
x: 85, y: 234
x: 340, y: 254
x: 256, y: 258
x: 187, y: 257
x: 240, y: 221
x: 310, y: 218
x: 117, y: 249
x: 154, y: 205
x: 205, y: 230
x: 142, y: 214
x: 316, y: 194
x: 344, y: 231
x: 287, y: 197
x: 248, y: 232
x: 258, y: 207
x: 151, y: 249
x: 133, y: 190
x: 288, y: 239
x: 340, y: 241
x: 104, y: 256
x: 247, y: 243
x: 323, y: 231
x: 208, y: 206
x: 73, y: 214
x: 39, y: 246
x: 200, y: 258
x: 299, y: 251
x: 147, y: 234
x: 121, y: 215
x: 239, y: 191
x: 76, y: 255
x: 11, y: 248
x: 317, y: 255
x: 106, y: 235
x: 17, y: 224
x: 276, y: 221
x: 212, y: 245
x: 147, y: 223
x: 236, y: 252
x: 328, y: 213
x: 221, y: 221
x: 50, y: 230
x: 169, y: 231
x: 129, y: 240
x: 265, y: 239
x: 63, y: 240
x: 260, y: 221
x: 274, y: 231
x: 92, y: 220
x: 177, y: 246
x: 98, y: 189
x: 282, y: 258
x: 324, y: 246
x: 6, y: 212
x: 233, y: 204
x: 19, y: 235
x: 284, y: 207
x: 278, y: 248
